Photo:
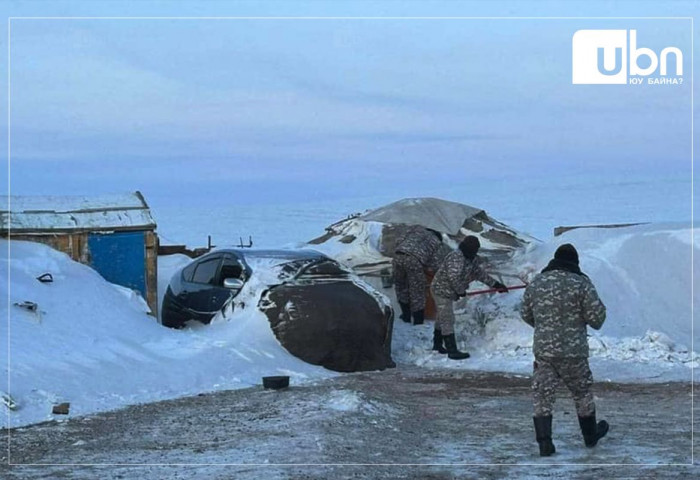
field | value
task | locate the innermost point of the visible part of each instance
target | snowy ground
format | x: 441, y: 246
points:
x: 408, y: 422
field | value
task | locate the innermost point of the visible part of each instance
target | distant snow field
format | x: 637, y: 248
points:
x: 92, y: 344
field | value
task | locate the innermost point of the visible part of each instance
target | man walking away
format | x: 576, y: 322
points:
x: 451, y: 282
x: 560, y: 303
x: 413, y: 253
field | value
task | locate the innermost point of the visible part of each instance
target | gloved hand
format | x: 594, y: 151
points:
x: 500, y: 288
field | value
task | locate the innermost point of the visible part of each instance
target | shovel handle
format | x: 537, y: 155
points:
x: 493, y: 290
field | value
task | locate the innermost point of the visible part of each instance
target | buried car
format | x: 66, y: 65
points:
x: 318, y: 310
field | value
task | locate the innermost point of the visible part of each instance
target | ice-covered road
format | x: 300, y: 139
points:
x: 369, y: 425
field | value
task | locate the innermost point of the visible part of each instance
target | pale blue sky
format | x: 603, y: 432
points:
x: 313, y: 109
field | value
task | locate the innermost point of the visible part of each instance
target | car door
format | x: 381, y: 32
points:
x: 203, y: 298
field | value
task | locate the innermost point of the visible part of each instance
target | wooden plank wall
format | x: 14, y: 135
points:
x: 75, y: 245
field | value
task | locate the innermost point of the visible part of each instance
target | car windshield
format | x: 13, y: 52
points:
x: 324, y: 268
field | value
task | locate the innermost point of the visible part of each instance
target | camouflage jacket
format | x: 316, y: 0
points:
x: 456, y: 273
x: 560, y: 304
x: 418, y: 242
x: 438, y: 257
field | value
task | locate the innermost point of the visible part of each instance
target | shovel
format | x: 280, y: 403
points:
x: 493, y: 290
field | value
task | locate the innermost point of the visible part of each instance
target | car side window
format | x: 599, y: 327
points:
x: 205, y: 271
x: 188, y: 272
x: 231, y: 268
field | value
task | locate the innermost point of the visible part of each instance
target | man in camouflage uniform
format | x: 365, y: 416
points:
x: 451, y: 282
x: 433, y: 265
x: 436, y: 259
x: 414, y: 251
x: 560, y: 303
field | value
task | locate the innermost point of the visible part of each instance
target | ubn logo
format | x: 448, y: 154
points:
x: 601, y: 56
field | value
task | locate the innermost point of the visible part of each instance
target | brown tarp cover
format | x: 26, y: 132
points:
x: 308, y: 322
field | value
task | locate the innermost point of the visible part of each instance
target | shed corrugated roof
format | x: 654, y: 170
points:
x: 34, y: 214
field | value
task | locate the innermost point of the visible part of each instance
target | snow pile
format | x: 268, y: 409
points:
x: 93, y: 346
x: 354, y: 243
x: 643, y: 275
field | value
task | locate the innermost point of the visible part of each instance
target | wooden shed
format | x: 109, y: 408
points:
x: 114, y: 234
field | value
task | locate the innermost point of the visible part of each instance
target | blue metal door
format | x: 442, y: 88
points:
x: 120, y: 257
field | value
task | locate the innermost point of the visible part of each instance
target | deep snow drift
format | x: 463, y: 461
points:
x: 93, y: 345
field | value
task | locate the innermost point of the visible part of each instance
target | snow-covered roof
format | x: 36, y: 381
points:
x: 440, y: 215
x: 33, y: 214
x: 366, y: 243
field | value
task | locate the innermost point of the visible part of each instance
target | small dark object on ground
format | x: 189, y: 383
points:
x: 61, y: 409
x: 276, y: 382
x: 31, y: 306
x: 45, y: 278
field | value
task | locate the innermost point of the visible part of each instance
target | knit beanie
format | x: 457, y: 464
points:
x: 469, y: 246
x: 567, y: 253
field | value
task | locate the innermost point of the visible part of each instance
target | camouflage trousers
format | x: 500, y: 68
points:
x: 573, y: 372
x: 445, y: 321
x: 409, y: 281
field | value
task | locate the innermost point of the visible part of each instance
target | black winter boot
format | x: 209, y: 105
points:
x: 437, y: 342
x: 451, y: 347
x: 592, y: 431
x: 418, y: 317
x: 543, y: 434
x: 405, y: 312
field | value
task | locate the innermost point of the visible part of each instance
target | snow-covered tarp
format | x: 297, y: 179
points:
x: 32, y: 214
x: 366, y: 242
x: 440, y: 215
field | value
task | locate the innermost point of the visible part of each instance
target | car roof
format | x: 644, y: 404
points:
x: 280, y: 254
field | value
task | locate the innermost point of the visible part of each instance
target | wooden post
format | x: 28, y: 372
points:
x: 151, y: 245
